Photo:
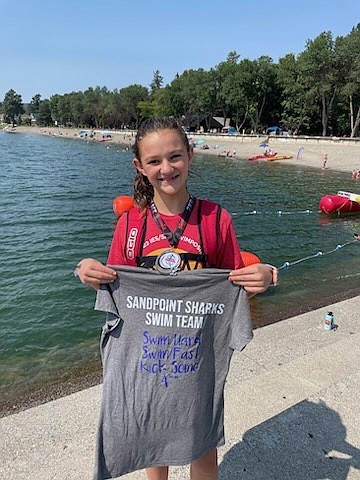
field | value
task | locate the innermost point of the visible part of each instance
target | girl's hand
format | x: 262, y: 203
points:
x: 254, y: 278
x: 91, y: 272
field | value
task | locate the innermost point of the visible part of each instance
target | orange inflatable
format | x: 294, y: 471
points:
x: 122, y: 204
x: 249, y: 258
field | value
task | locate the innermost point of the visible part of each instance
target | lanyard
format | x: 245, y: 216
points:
x: 173, y: 237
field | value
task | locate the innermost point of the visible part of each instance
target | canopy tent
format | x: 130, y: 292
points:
x: 273, y: 129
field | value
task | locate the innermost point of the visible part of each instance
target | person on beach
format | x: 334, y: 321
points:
x: 355, y: 174
x: 172, y: 219
x: 325, y: 159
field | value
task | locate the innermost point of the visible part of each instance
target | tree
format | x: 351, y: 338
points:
x: 77, y: 108
x: 265, y: 86
x: 130, y: 98
x: 34, y: 105
x: 44, y: 115
x: 156, y: 83
x: 236, y: 89
x: 54, y: 108
x: 225, y: 73
x: 12, y: 106
x: 98, y: 103
x: 317, y: 65
x: 65, y: 110
x: 347, y: 53
x: 233, y: 57
x: 146, y: 108
x: 192, y: 95
x: 161, y: 102
x: 296, y: 105
x: 157, y: 104
x: 176, y: 97
x: 207, y: 93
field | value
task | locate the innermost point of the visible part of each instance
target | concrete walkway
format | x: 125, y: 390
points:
x: 292, y: 411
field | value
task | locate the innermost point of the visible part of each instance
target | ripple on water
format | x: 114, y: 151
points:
x: 56, y: 196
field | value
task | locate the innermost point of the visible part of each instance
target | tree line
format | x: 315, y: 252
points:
x: 314, y: 93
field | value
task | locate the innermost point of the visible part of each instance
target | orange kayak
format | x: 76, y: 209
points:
x: 262, y: 157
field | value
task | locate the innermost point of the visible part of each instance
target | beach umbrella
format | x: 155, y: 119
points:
x: 263, y: 145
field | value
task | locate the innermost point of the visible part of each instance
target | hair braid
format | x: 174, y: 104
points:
x: 143, y: 191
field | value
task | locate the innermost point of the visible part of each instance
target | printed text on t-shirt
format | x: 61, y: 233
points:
x: 168, y: 356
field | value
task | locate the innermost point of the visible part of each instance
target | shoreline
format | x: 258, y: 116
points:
x: 343, y: 153
x: 83, y: 378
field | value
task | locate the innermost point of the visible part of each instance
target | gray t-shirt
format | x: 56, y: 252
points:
x: 166, y: 349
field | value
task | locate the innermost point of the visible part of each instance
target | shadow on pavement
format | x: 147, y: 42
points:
x: 305, y: 442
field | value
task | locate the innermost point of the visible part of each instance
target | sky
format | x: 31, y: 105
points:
x: 52, y: 47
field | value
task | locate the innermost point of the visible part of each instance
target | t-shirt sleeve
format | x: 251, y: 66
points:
x: 116, y: 254
x: 241, y: 332
x: 228, y: 253
x: 105, y: 301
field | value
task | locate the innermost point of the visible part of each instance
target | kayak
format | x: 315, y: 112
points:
x: 281, y: 157
x: 260, y: 157
x: 343, y: 202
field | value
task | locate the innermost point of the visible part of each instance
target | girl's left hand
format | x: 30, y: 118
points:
x: 254, y: 278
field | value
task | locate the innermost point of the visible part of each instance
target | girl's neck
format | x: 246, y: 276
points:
x: 171, y: 205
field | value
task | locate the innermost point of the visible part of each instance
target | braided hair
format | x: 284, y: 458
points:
x: 143, y: 190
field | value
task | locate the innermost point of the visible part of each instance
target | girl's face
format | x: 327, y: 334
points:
x: 165, y: 161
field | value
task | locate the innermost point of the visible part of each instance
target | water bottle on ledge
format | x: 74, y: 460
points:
x: 329, y: 321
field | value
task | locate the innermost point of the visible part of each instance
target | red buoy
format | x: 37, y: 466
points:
x: 249, y: 258
x: 123, y: 204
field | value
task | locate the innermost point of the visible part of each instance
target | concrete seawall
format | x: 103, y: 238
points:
x: 291, y: 411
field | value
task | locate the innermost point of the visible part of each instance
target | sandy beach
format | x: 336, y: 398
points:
x: 343, y: 153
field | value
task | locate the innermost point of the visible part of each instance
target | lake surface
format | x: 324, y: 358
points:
x: 56, y: 207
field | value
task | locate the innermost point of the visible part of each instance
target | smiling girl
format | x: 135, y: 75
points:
x: 172, y: 230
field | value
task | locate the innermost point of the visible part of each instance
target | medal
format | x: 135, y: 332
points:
x: 168, y: 262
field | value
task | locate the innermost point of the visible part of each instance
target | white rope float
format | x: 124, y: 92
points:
x: 277, y: 212
x: 287, y: 264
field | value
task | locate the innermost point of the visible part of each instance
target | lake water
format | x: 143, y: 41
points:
x: 56, y: 207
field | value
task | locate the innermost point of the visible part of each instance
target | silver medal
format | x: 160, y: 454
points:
x: 168, y: 262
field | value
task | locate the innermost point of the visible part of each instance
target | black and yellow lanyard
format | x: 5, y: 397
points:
x: 173, y: 237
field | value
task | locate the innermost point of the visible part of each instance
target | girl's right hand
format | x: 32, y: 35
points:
x: 92, y: 272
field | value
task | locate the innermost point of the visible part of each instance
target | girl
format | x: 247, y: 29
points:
x: 168, y: 220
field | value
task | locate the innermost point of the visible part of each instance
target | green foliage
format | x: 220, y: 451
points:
x: 34, y: 105
x: 157, y: 82
x: 317, y: 64
x: 317, y: 92
x: 295, y: 101
x: 44, y: 117
x: 347, y: 61
x: 12, y: 106
x: 129, y: 99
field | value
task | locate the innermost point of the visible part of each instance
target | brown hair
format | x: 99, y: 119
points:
x: 143, y: 190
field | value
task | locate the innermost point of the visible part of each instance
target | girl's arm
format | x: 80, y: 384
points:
x: 92, y: 272
x: 254, y: 278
